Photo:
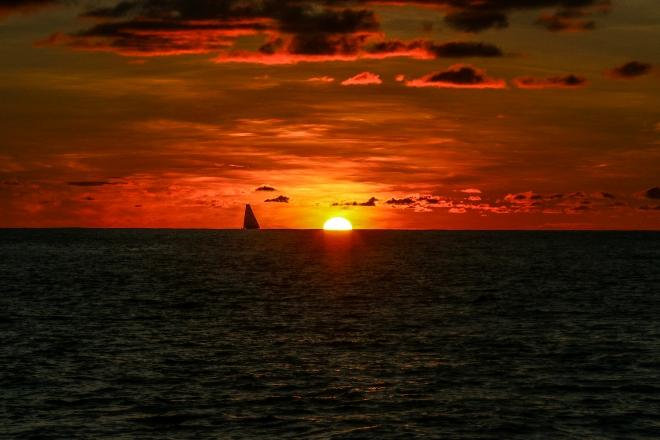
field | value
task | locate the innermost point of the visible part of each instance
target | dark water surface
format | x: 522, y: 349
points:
x: 299, y: 334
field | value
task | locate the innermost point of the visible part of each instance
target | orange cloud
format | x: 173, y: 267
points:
x: 361, y: 79
x: 321, y: 79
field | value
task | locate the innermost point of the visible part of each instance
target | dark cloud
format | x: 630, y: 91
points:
x: 567, y: 203
x: 463, y: 75
x: 477, y: 16
x: 17, y: 4
x: 458, y: 76
x: 279, y: 199
x: 567, y: 20
x: 294, y: 30
x: 265, y: 188
x: 401, y: 202
x: 371, y: 202
x: 555, y: 82
x: 633, y: 69
x: 427, y: 203
x: 465, y: 50
x: 144, y: 37
x: 155, y: 27
x: 301, y: 20
x: 430, y: 200
x: 89, y: 183
x: 475, y: 20
x: 325, y: 44
x: 653, y: 193
x: 119, y: 10
x: 8, y: 7
x: 430, y: 49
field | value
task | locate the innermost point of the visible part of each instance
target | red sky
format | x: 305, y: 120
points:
x: 436, y: 114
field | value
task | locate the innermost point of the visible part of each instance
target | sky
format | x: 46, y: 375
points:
x: 426, y: 114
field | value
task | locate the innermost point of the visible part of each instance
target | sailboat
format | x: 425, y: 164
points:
x: 250, y: 221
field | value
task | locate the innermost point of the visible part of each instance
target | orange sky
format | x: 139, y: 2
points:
x: 438, y: 114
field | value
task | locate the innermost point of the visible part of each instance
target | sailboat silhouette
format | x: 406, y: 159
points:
x: 250, y: 221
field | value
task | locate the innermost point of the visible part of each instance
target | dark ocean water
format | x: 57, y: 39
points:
x: 302, y: 334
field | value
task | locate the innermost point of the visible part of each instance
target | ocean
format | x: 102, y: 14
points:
x: 174, y: 334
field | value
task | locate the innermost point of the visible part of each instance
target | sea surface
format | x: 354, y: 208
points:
x: 160, y: 334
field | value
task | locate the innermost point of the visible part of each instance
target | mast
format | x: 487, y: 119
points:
x: 250, y: 221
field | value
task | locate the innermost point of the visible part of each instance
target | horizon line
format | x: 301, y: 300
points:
x: 110, y: 228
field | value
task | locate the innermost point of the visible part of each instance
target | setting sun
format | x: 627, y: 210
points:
x: 338, y: 224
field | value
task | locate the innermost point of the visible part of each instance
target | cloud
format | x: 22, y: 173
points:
x: 265, y: 188
x: 322, y: 47
x: 293, y: 31
x: 196, y: 38
x: 604, y: 195
x: 476, y: 20
x: 459, y: 76
x: 147, y: 38
x: 321, y: 79
x: 458, y: 49
x: 297, y: 19
x: 401, y: 202
x: 9, y: 7
x: 279, y: 199
x: 157, y: 28
x: 523, y: 198
x: 419, y: 203
x: 653, y: 193
x: 89, y: 183
x: 525, y: 202
x: 371, y: 202
x: 427, y: 203
x: 471, y: 191
x: 425, y: 49
x: 567, y: 20
x: 632, y: 69
x: 361, y: 79
x: 557, y: 203
x: 478, y: 16
x: 555, y: 82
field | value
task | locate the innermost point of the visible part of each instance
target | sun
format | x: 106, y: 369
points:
x: 338, y: 224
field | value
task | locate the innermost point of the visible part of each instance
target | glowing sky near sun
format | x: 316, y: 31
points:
x: 391, y: 114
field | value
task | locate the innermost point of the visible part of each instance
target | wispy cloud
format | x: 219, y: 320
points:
x: 554, y: 82
x: 363, y: 79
